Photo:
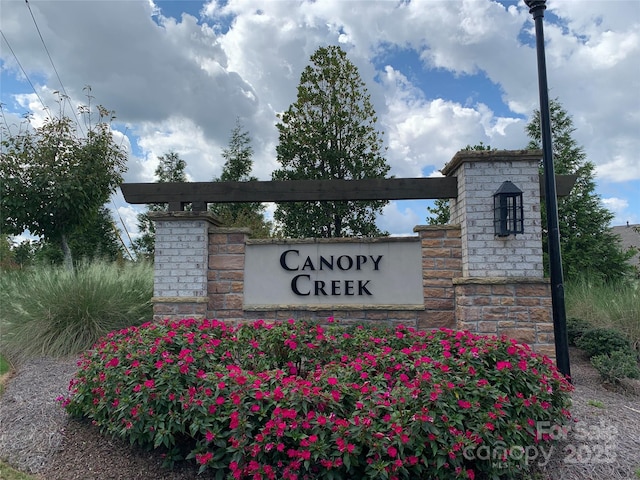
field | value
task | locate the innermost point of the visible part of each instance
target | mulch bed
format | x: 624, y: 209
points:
x: 38, y: 437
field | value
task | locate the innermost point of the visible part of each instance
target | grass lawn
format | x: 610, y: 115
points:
x: 5, y: 368
x: 8, y: 473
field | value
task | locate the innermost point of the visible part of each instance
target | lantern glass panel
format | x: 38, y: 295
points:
x: 508, y: 210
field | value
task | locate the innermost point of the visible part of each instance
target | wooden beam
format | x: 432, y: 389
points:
x: 292, y: 190
x: 201, y: 193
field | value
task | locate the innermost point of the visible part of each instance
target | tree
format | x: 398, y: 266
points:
x: 171, y: 168
x: 440, y: 213
x: 7, y: 256
x: 237, y: 168
x: 96, y: 239
x: 24, y: 253
x: 54, y: 178
x: 329, y: 133
x: 587, y: 244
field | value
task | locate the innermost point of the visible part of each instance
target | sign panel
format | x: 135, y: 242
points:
x: 361, y: 273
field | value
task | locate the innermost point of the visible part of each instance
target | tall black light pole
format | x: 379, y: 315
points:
x: 537, y: 8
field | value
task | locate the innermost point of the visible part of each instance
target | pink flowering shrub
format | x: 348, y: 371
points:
x: 297, y: 400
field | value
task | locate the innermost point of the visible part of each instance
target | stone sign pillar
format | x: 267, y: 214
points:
x: 502, y: 289
x: 180, y: 267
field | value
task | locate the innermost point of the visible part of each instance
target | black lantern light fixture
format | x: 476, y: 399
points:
x: 508, y: 211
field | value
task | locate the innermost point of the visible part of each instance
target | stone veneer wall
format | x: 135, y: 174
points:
x: 226, y: 273
x: 441, y: 264
x: 519, y: 308
x: 501, y: 290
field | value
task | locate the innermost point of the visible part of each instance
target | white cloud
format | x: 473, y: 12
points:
x: 24, y: 237
x: 399, y: 220
x: 126, y: 217
x: 186, y: 138
x: 180, y: 83
x: 424, y: 134
x: 620, y: 209
x: 620, y: 167
x: 144, y: 70
x: 615, y: 204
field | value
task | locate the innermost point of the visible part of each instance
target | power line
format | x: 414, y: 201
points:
x: 64, y: 90
x: 23, y: 71
x: 124, y: 226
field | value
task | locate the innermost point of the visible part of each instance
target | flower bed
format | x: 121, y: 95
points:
x: 298, y: 400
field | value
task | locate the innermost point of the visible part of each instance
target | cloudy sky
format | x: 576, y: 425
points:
x: 441, y: 74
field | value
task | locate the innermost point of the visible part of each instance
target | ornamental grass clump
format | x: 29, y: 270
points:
x: 53, y: 311
x: 298, y: 400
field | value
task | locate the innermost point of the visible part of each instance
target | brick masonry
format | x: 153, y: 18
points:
x: 471, y: 279
x: 181, y: 262
x: 519, y: 308
x: 479, y: 175
x: 440, y: 249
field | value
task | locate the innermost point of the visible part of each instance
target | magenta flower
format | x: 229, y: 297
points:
x: 501, y: 365
x: 113, y: 362
x: 204, y: 458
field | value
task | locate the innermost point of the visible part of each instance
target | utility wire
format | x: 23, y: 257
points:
x: 124, y: 225
x: 64, y: 90
x: 24, y: 72
x: 125, y: 231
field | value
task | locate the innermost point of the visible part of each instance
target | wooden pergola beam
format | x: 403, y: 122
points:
x: 201, y: 193
x: 292, y: 190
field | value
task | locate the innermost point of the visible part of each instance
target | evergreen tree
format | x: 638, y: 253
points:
x: 586, y: 242
x: 170, y: 169
x: 329, y: 133
x: 237, y: 168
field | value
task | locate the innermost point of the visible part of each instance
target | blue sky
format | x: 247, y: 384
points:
x: 441, y: 74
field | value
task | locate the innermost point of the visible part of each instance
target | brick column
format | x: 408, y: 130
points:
x: 441, y: 263
x: 479, y: 175
x: 180, y: 264
x: 225, y: 275
x: 501, y: 290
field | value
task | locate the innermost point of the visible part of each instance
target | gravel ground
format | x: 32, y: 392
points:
x: 31, y: 421
x: 36, y: 435
x: 605, y: 443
